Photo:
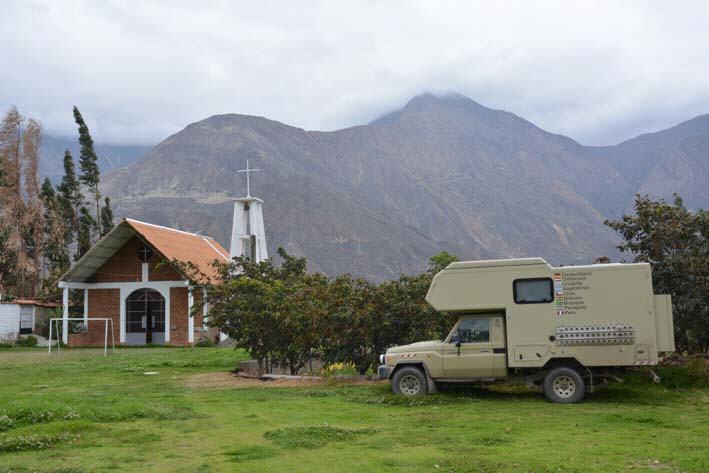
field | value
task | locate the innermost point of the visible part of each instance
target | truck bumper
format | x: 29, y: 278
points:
x: 384, y: 371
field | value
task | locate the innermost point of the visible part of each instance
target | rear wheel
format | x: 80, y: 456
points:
x: 564, y: 385
x: 409, y: 381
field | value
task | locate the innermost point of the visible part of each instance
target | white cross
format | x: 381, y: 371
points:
x: 248, y: 183
x: 145, y: 252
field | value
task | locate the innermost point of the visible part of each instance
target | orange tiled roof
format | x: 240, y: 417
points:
x: 182, y: 246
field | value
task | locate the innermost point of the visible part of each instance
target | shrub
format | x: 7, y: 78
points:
x: 204, y: 343
x: 28, y: 341
x: 285, y: 314
x: 694, y: 373
x: 340, y: 369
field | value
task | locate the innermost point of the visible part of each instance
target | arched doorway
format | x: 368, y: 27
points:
x: 145, y: 317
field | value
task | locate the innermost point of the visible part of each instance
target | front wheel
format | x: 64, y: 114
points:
x: 564, y: 385
x: 409, y: 382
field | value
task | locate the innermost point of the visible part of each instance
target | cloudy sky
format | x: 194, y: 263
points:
x: 599, y: 72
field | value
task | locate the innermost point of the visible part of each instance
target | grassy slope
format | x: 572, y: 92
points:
x: 106, y: 415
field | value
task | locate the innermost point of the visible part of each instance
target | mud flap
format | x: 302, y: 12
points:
x: 432, y: 386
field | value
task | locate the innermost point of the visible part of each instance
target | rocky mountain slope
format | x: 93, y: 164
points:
x: 439, y: 174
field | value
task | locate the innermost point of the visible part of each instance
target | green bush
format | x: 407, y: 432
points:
x: 28, y: 341
x: 693, y: 374
x: 204, y: 343
x: 288, y: 315
x: 340, y: 369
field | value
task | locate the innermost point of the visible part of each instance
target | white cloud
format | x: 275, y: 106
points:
x: 596, y: 71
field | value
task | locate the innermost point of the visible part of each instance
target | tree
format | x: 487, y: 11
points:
x: 301, y: 316
x: 86, y: 225
x: 106, y: 217
x: 11, y: 202
x: 55, y: 245
x: 353, y: 322
x: 34, y: 214
x: 70, y: 199
x: 440, y: 260
x: 88, y: 163
x: 675, y: 241
x: 20, y: 208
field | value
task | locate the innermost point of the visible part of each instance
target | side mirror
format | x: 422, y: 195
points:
x: 458, y: 344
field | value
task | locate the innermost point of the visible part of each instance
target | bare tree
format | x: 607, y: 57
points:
x: 34, y: 221
x: 21, y: 211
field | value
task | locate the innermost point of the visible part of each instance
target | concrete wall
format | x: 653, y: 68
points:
x: 9, y: 322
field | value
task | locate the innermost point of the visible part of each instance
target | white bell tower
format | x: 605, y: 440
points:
x: 248, y: 238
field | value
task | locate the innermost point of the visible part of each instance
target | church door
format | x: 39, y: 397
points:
x: 145, y: 317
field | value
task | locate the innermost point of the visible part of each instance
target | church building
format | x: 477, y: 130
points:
x: 129, y: 277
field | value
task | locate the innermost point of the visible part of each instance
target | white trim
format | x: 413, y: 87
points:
x: 145, y: 271
x: 124, y: 292
x: 168, y: 328
x: 163, y: 228
x: 86, y: 305
x: 119, y: 285
x: 190, y: 317
x: 215, y: 248
x: 65, y: 315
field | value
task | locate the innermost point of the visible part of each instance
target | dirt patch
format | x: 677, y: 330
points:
x: 222, y: 379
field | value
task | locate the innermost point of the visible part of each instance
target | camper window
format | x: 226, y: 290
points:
x: 533, y: 290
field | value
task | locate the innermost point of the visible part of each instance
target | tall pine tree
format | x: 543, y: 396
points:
x: 106, y: 217
x: 88, y: 162
x: 86, y: 225
x: 70, y: 199
x: 56, y: 246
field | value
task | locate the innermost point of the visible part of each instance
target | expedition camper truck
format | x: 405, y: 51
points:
x: 562, y: 329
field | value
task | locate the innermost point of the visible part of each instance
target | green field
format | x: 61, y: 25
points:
x: 81, y: 412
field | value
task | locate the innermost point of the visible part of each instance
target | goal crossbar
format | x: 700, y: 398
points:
x: 106, y: 321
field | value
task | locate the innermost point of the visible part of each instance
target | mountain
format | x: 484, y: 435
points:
x: 672, y: 160
x: 110, y: 157
x: 442, y: 173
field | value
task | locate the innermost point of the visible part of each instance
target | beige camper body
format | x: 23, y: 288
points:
x: 527, y: 318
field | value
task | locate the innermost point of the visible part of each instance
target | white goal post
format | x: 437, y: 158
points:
x: 106, y: 321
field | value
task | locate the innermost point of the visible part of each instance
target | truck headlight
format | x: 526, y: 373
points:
x: 382, y: 359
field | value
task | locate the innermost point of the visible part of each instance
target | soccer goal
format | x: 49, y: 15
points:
x: 82, y: 327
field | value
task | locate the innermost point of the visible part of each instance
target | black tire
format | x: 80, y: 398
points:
x: 409, y: 381
x: 564, y: 386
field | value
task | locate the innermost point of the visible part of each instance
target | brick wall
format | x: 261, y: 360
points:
x: 198, y: 332
x: 126, y: 266
x: 102, y: 303
x: 178, y: 316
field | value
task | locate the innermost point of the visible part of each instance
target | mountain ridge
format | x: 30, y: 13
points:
x: 379, y: 199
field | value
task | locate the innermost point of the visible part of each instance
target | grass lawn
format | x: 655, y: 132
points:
x: 82, y: 412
